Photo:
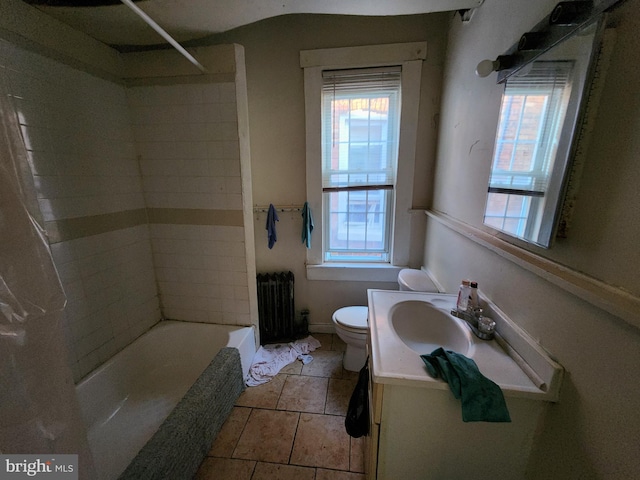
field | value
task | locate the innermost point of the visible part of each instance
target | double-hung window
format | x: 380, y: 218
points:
x: 531, y: 119
x: 362, y: 115
x: 360, y: 135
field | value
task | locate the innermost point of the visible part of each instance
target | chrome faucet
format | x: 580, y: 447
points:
x: 473, y: 318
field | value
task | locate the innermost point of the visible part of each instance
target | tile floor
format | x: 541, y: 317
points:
x: 291, y: 427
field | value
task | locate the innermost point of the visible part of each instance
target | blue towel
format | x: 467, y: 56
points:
x: 307, y: 225
x: 272, y: 218
x: 482, y: 400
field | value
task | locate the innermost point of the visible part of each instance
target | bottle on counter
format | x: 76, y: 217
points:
x: 473, y: 295
x: 463, y: 296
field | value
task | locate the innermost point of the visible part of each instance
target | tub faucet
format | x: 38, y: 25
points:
x: 473, y: 318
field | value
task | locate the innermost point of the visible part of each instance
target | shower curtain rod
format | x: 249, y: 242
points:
x: 149, y: 21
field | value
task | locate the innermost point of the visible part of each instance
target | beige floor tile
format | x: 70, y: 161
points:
x: 303, y: 394
x: 322, y: 474
x: 349, y: 375
x: 267, y: 436
x: 337, y: 344
x: 225, y: 469
x: 321, y: 441
x: 229, y: 435
x: 292, y: 369
x: 324, y: 339
x: 338, y: 395
x: 275, y: 471
x: 325, y: 364
x: 262, y: 396
x: 356, y: 458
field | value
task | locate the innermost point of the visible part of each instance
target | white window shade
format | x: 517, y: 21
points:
x: 361, y: 119
x: 531, y: 118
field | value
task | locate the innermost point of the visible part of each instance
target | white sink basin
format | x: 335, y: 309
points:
x: 423, y: 327
x: 404, y: 325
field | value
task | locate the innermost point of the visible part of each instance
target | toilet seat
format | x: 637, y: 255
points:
x: 352, y: 318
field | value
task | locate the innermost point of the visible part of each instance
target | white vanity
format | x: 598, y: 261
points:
x: 416, y: 427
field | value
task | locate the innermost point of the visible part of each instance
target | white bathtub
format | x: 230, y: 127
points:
x: 125, y: 400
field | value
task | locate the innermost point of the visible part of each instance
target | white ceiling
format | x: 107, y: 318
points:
x: 191, y: 19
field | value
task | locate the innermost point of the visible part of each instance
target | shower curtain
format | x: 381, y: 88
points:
x: 39, y: 413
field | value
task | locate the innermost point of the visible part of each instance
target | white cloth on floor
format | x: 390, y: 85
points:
x: 270, y: 359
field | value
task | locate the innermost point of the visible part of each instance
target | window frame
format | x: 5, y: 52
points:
x: 410, y: 57
x: 340, y: 142
x: 559, y: 91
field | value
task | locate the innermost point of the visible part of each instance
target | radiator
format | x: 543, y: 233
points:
x: 276, y: 309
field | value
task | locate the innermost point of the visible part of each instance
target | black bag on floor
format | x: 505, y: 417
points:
x: 357, y: 419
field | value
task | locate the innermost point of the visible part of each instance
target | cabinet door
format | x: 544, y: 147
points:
x: 375, y: 414
x: 371, y: 451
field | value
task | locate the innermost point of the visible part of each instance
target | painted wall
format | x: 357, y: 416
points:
x: 594, y: 430
x: 277, y: 124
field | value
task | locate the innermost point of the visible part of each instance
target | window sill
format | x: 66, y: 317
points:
x: 354, y: 272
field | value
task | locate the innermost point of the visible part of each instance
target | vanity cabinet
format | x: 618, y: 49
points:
x: 416, y: 428
x: 418, y: 433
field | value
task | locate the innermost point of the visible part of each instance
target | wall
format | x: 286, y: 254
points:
x: 189, y: 134
x: 142, y: 191
x: 81, y: 152
x: 39, y: 412
x: 593, y: 432
x: 277, y: 122
x: 24, y: 25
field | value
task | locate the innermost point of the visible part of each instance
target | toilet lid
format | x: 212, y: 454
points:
x: 352, y: 317
x: 416, y: 280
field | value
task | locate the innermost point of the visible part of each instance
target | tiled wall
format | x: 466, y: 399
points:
x: 141, y: 194
x: 187, y: 138
x: 78, y: 133
x: 111, y: 293
x: 201, y: 273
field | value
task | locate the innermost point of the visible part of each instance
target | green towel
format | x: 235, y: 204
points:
x: 307, y: 225
x: 482, y: 400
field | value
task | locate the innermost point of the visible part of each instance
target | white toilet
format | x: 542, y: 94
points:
x: 414, y: 280
x: 351, y: 322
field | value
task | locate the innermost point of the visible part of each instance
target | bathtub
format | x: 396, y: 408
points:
x: 124, y: 401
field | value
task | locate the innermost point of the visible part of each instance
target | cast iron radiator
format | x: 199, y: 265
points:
x: 276, y: 308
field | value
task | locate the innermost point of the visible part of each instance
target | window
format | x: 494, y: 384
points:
x: 531, y: 119
x: 360, y: 132
x: 366, y: 190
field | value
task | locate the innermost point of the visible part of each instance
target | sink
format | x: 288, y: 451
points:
x: 423, y: 327
x: 404, y: 325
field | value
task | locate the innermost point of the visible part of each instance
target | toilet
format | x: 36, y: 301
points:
x: 351, y: 322
x: 414, y: 280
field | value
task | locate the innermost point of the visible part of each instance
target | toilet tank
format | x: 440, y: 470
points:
x: 411, y: 279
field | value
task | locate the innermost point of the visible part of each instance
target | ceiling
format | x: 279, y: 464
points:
x: 191, y: 19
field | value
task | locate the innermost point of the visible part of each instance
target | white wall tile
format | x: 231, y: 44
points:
x: 227, y: 92
x: 84, y: 135
x: 110, y: 277
x: 228, y: 112
x: 211, y: 93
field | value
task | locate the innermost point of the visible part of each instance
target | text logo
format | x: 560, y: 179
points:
x: 49, y: 467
